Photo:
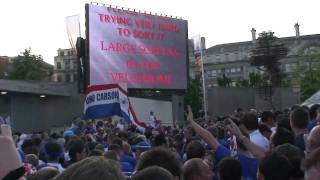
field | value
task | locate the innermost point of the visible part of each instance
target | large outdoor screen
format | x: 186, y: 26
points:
x: 143, y: 50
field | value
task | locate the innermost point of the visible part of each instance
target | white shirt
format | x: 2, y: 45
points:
x: 257, y: 138
x: 120, y: 126
x: 152, y: 121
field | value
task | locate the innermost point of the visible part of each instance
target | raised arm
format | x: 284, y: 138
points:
x: 257, y: 151
x: 205, y: 134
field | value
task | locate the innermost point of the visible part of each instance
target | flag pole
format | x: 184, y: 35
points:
x: 203, y: 82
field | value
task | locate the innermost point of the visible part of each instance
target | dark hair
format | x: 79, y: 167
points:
x: 250, y: 121
x: 195, y: 150
x: 283, y: 121
x: 115, y: 147
x: 294, y: 155
x: 229, y: 169
x: 159, y: 140
x: 264, y: 128
x: 75, y: 146
x: 28, y: 147
x: 312, y: 160
x: 265, y: 115
x: 92, y: 168
x: 275, y: 167
x: 282, y: 136
x: 96, y: 152
x: 153, y: 173
x: 299, y: 118
x: 117, y: 141
x: 160, y: 157
x: 313, y: 111
x: 53, y: 151
x: 110, y: 154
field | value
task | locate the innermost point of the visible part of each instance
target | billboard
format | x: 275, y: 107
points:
x: 143, y: 50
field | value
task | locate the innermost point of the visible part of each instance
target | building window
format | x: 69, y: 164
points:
x: 67, y: 77
x: 67, y: 63
x: 61, y: 53
x: 75, y: 77
x: 232, y: 70
x: 58, y: 65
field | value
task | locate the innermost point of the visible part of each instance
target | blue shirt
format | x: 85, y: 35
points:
x: 126, y: 167
x: 129, y: 159
x: 312, y: 124
x: 249, y: 165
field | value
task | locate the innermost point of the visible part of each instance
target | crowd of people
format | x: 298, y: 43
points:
x: 247, y: 145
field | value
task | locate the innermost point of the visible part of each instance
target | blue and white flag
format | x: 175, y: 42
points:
x: 108, y: 100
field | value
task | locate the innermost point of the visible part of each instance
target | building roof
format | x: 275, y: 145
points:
x: 37, y: 87
x: 246, y: 45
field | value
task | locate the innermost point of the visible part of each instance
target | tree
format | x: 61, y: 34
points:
x: 255, y: 80
x: 266, y: 55
x: 28, y: 66
x: 193, y: 96
x: 307, y: 73
x: 224, y: 81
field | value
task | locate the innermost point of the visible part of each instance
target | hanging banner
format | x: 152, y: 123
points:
x: 108, y: 100
x: 73, y: 30
x: 197, y: 51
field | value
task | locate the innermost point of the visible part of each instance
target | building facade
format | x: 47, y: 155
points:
x: 232, y: 59
x: 65, y: 66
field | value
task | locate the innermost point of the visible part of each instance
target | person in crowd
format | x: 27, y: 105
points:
x: 96, y: 152
x: 53, y: 152
x: 281, y: 136
x: 127, y: 155
x: 113, y: 155
x: 313, y: 116
x: 120, y: 125
x: 313, y: 139
x: 152, y: 120
x: 10, y: 161
x: 265, y: 131
x: 283, y: 121
x: 163, y: 158
x: 299, y: 119
x: 248, y: 162
x: 295, y: 157
x: 249, y: 123
x: 195, y: 150
x: 311, y: 165
x: 196, y: 169
x: 46, y: 173
x: 153, y: 173
x: 125, y: 166
x: 318, y: 116
x: 92, y: 168
x: 229, y: 169
x: 274, y: 167
x: 267, y: 118
x: 189, y: 134
x: 140, y: 147
x: 77, y: 151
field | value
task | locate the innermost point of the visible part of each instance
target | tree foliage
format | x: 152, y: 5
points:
x: 307, y: 72
x: 254, y: 80
x: 193, y: 96
x: 224, y: 81
x: 28, y: 66
x: 266, y: 55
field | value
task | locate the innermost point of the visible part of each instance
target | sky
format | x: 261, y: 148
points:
x: 41, y: 24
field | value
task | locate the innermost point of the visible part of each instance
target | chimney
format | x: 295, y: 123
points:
x: 296, y: 27
x: 253, y: 32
